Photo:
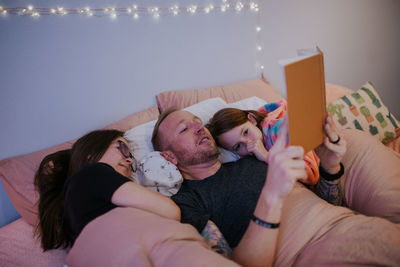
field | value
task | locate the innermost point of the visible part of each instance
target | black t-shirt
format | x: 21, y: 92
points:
x: 228, y: 198
x: 88, y: 194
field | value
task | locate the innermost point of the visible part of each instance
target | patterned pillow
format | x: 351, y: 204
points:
x: 364, y: 110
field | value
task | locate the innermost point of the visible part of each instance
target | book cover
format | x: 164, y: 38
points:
x: 304, y: 79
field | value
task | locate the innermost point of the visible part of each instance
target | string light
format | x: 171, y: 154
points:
x: 208, y: 9
x: 192, y: 9
x: 239, y: 6
x: 254, y: 6
x: 134, y: 10
x: 175, y: 10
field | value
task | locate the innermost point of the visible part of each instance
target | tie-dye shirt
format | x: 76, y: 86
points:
x: 270, y: 127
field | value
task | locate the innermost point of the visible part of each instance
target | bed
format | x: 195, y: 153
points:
x: 158, y: 242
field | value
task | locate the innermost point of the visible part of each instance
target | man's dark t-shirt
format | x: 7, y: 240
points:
x: 228, y: 198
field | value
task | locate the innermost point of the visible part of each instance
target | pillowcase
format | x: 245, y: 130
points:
x: 230, y: 93
x: 364, y: 110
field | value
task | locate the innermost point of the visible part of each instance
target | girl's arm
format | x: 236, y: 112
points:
x: 133, y: 195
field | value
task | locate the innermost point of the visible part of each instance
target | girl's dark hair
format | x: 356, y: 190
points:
x: 229, y: 118
x: 53, y: 171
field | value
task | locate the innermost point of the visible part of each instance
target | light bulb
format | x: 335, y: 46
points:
x: 175, y: 10
x: 192, y: 9
x: 238, y: 6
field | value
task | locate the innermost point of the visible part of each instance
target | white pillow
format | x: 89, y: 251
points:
x: 139, y: 137
x: 248, y: 103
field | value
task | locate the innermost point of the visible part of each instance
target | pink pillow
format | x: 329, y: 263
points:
x: 334, y: 91
x: 18, y: 247
x: 18, y: 172
x: 235, y: 92
x: 230, y: 93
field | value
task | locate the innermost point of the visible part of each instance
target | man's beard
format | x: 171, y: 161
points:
x: 187, y: 158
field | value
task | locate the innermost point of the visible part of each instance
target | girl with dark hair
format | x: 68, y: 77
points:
x: 253, y: 132
x: 82, y: 183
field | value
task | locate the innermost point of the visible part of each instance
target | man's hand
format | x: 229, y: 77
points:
x: 333, y: 149
x: 286, y: 165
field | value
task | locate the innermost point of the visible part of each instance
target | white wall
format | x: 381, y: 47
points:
x: 360, y: 40
x: 64, y: 76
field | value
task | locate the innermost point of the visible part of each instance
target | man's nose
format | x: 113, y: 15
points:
x: 197, y: 127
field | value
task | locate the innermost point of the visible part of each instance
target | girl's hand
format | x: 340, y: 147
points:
x: 333, y: 149
x: 258, y: 149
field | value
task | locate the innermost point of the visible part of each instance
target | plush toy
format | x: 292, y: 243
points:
x: 159, y: 175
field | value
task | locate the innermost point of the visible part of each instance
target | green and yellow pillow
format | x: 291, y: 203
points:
x: 364, y: 110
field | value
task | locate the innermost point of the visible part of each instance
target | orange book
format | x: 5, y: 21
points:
x: 305, y: 91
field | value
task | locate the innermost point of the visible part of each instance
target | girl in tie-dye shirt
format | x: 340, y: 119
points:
x: 251, y: 132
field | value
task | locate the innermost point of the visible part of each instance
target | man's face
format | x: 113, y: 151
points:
x: 184, y: 134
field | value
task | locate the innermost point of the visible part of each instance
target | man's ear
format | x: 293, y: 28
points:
x: 252, y: 118
x: 170, y: 156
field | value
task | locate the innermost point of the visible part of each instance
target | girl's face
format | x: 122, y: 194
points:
x: 236, y: 139
x: 118, y: 156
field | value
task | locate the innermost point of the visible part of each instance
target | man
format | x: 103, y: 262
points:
x: 248, y: 200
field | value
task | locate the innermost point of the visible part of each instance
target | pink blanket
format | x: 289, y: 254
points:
x: 132, y: 237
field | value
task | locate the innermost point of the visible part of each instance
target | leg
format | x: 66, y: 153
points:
x: 372, y: 177
x: 314, y: 232
x: 355, y: 240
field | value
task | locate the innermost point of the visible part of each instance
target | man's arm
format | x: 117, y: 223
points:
x: 286, y: 165
x: 258, y: 245
x: 216, y: 240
